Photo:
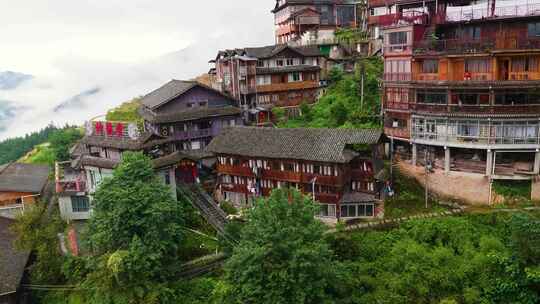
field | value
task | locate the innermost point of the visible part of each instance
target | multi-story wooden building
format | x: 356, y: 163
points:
x: 185, y: 115
x: 461, y: 79
x: 312, y: 21
x: 21, y: 184
x: 337, y: 167
x: 180, y: 119
x: 272, y: 76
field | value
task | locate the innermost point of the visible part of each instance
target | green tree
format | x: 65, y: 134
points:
x: 282, y: 257
x: 135, y: 233
x: 37, y: 233
x: 62, y: 140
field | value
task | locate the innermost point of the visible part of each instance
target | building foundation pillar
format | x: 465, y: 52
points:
x: 489, y: 162
x: 537, y: 163
x: 414, y: 154
x: 447, y: 160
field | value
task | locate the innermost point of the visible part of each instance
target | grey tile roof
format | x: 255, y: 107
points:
x: 287, y: 69
x: 17, y: 177
x: 194, y: 114
x: 98, y: 162
x: 357, y: 197
x: 168, y: 91
x: 111, y: 142
x: 176, y: 157
x: 324, y: 145
x: 12, y: 262
x: 272, y: 50
x: 172, y: 90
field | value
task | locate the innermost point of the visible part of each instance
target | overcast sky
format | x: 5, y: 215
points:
x: 116, y: 49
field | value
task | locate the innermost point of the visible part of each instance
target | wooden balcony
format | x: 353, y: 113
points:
x: 307, y: 178
x: 287, y: 86
x: 186, y: 135
x: 361, y: 175
x: 477, y: 109
x: 408, y: 18
x: 397, y: 132
x: 235, y: 170
x: 403, y: 106
x: 397, y: 77
x: 287, y: 176
x: 468, y: 13
x: 475, y: 46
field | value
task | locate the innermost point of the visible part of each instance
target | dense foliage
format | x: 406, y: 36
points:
x: 127, y: 111
x: 43, y: 147
x: 134, y: 234
x: 342, y: 105
x: 14, y: 148
x: 282, y: 257
x: 38, y: 233
x: 474, y: 259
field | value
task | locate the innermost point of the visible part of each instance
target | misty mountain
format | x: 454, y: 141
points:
x: 7, y: 113
x: 77, y: 101
x: 10, y: 80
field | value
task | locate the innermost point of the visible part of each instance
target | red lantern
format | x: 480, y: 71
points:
x: 120, y: 130
x: 109, y: 128
x: 99, y: 128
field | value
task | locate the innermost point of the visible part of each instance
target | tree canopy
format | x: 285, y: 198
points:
x: 135, y: 232
x: 282, y: 257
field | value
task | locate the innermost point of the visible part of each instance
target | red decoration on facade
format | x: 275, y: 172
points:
x: 109, y: 129
x: 99, y: 128
x: 120, y: 130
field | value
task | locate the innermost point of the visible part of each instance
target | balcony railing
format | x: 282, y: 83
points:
x: 479, y: 109
x: 473, y: 46
x: 185, y: 135
x: 397, y: 49
x: 407, y: 18
x: 471, y: 13
x: 235, y: 170
x: 397, y: 105
x: 397, y: 76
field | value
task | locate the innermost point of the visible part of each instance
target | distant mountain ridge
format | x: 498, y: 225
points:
x: 76, y: 101
x: 10, y: 80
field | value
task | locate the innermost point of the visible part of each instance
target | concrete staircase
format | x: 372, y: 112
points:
x: 208, y: 208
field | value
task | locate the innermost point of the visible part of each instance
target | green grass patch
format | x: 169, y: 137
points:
x: 127, y: 111
x: 513, y: 190
x: 42, y: 155
x: 409, y: 199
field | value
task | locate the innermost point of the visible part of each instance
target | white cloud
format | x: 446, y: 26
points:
x: 126, y: 48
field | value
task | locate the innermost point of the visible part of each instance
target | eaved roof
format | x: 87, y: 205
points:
x: 12, y: 262
x: 323, y: 145
x: 189, y: 115
x: 172, y: 90
x: 272, y: 50
x: 17, y: 177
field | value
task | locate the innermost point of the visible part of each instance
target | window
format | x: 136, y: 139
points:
x: 327, y: 210
x: 296, y: 76
x: 264, y: 79
x: 378, y: 11
x: 260, y: 64
x: 167, y: 178
x: 534, y: 29
x: 432, y: 97
x: 80, y: 204
x: 196, y: 145
x: 397, y: 38
x: 290, y: 61
x: 430, y: 66
x: 279, y: 62
x: 203, y: 103
x: 357, y: 210
x: 525, y: 64
x: 478, y: 65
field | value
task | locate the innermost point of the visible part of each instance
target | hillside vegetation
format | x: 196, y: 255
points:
x: 342, y: 105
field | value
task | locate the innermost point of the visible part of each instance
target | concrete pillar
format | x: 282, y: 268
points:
x: 537, y: 163
x: 446, y: 160
x: 414, y: 155
x: 489, y: 163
